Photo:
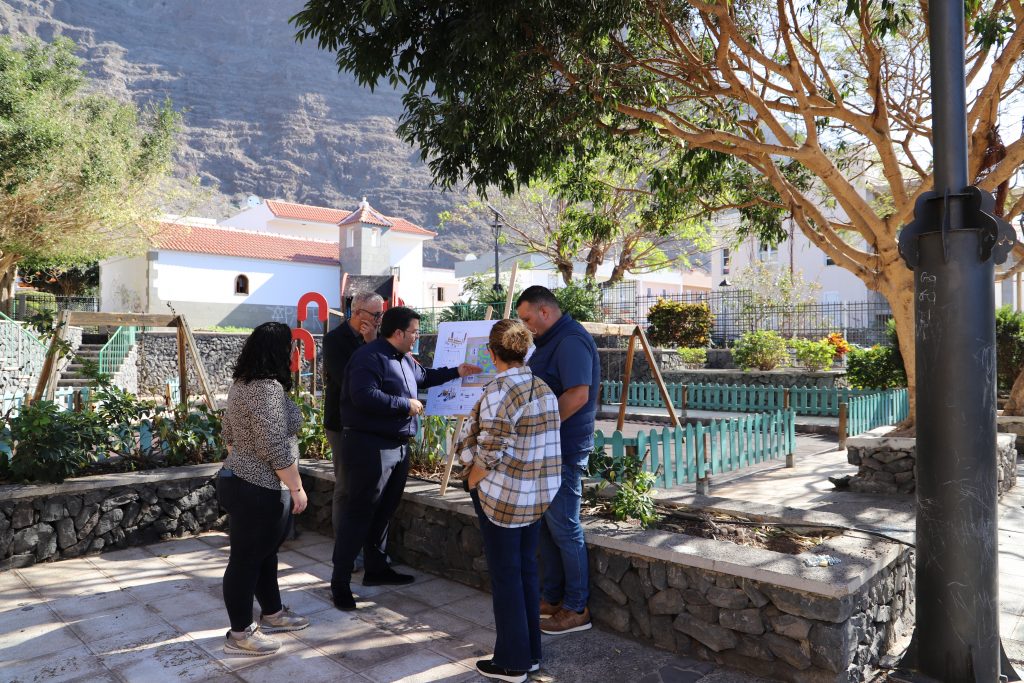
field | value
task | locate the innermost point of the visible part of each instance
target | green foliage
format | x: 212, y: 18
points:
x: 581, y: 299
x: 428, y: 450
x: 39, y: 307
x: 185, y: 436
x: 312, y: 436
x: 813, y: 355
x: 1009, y: 346
x: 673, y: 323
x: 120, y: 411
x: 774, y: 296
x: 763, y: 350
x: 633, y: 498
x: 49, y: 444
x: 78, y: 170
x: 60, y: 276
x: 693, y: 358
x: 880, y: 367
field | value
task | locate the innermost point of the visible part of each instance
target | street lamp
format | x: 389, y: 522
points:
x: 496, y: 231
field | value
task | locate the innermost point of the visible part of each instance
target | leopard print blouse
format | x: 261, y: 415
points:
x: 260, y: 424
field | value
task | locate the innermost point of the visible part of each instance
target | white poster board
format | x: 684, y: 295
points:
x: 457, y: 343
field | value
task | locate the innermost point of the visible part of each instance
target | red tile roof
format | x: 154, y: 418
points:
x: 245, y: 244
x: 402, y: 225
x: 304, y: 212
x: 365, y: 214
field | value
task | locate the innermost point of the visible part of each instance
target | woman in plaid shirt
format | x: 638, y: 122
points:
x: 512, y: 451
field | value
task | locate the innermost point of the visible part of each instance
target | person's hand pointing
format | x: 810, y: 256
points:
x: 467, y: 369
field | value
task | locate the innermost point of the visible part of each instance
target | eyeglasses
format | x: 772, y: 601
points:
x: 375, y: 316
x: 412, y: 333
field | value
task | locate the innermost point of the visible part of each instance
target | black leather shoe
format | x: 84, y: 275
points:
x: 343, y: 599
x: 487, y: 668
x: 388, y: 577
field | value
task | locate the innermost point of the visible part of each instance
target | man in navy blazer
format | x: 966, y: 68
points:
x: 379, y: 415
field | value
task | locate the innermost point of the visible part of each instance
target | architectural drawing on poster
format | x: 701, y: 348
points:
x: 457, y: 343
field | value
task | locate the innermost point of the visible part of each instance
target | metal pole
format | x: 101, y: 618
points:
x: 952, y: 246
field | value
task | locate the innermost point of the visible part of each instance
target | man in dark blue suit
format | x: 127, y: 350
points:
x: 379, y: 415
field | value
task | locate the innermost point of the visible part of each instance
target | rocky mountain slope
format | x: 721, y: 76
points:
x: 262, y: 114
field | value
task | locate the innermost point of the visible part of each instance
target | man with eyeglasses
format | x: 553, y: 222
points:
x: 339, y: 345
x: 379, y: 415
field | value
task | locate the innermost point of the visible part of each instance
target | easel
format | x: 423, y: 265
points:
x: 638, y: 333
x: 47, y: 385
x: 450, y: 461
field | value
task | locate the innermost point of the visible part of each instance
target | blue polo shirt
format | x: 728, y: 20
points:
x: 566, y: 356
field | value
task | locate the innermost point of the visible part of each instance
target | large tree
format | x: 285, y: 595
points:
x: 828, y: 100
x: 598, y: 208
x: 78, y: 170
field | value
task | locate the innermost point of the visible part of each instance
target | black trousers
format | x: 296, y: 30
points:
x: 373, y: 471
x: 257, y: 526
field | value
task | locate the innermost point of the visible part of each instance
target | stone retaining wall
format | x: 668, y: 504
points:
x: 887, y: 464
x: 93, y: 514
x: 158, y: 360
x: 752, y: 609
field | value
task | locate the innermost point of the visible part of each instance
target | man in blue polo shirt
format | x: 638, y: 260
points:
x: 566, y: 358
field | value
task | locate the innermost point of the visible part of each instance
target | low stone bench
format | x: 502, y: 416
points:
x: 887, y: 464
x: 752, y: 609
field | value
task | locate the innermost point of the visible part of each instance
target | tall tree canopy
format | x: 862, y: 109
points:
x: 827, y: 100
x: 619, y: 208
x: 78, y: 171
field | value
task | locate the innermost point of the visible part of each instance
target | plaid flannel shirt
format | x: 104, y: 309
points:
x: 512, y: 432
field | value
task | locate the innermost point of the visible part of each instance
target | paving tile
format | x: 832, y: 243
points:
x: 216, y: 617
x: 419, y: 667
x: 298, y: 578
x: 305, y: 602
x: 432, y: 625
x: 320, y: 552
x: 71, y: 664
x: 21, y: 642
x: 25, y: 616
x: 175, y: 547
x: 402, y: 603
x: 145, y: 638
x: 202, y: 559
x: 159, y: 587
x: 98, y: 603
x: 466, y: 647
x: 437, y: 592
x: 66, y: 578
x: 302, y: 665
x: 292, y: 559
x: 216, y: 539
x: 126, y: 619
x: 330, y: 625
x: 321, y: 570
x: 476, y: 608
x: 176, y: 661
x: 362, y: 651
x: 187, y: 604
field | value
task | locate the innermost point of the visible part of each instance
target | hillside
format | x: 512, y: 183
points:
x: 262, y: 115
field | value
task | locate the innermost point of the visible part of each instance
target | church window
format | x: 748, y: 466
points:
x: 241, y: 285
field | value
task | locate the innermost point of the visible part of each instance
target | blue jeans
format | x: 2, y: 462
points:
x: 562, y: 549
x: 515, y: 591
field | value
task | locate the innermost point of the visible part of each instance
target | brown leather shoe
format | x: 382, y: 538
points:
x: 567, y: 621
x: 548, y: 610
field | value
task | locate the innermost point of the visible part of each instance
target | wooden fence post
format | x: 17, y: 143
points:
x: 686, y: 391
x: 842, y: 425
x: 787, y: 419
x: 703, y: 480
x: 785, y: 399
x: 76, y: 401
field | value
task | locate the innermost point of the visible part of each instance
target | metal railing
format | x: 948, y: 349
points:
x: 116, y: 349
x: 22, y: 355
x: 690, y: 454
x: 26, y: 305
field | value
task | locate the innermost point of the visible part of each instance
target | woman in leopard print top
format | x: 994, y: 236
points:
x: 259, y: 487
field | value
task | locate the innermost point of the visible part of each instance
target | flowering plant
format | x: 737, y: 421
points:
x: 836, y: 339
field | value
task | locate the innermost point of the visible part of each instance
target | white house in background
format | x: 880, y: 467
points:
x: 254, y: 266
x: 796, y: 252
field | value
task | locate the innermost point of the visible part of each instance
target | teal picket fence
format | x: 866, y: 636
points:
x: 681, y: 455
x: 64, y: 397
x: 736, y: 398
x: 888, y: 407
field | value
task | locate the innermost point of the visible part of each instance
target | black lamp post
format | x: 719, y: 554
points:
x: 496, y: 231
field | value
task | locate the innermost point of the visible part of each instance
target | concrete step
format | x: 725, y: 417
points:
x: 74, y: 382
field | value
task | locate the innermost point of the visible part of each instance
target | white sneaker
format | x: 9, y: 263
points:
x: 255, y: 643
x: 285, y: 620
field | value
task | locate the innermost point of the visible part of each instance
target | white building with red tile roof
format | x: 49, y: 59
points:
x: 254, y: 266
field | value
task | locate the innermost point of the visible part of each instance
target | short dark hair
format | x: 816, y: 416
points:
x: 538, y: 295
x: 396, y: 318
x: 266, y: 355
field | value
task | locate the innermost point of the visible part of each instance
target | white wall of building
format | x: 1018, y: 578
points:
x: 406, y: 254
x: 180, y: 276
x: 440, y: 287
x: 123, y: 285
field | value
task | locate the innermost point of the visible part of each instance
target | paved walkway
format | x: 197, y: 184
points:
x: 154, y: 614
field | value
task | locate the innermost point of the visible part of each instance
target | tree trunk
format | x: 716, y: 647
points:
x: 8, y: 276
x: 898, y: 290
